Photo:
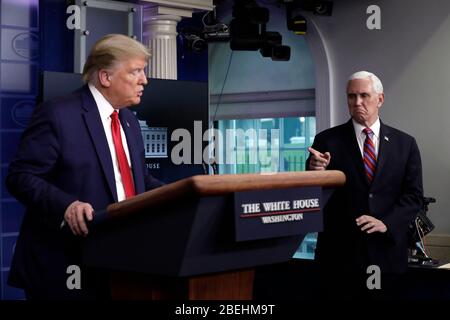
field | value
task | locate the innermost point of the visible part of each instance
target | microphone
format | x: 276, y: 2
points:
x: 213, y: 164
x: 205, y: 168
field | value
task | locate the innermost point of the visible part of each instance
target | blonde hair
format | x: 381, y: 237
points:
x: 109, y: 51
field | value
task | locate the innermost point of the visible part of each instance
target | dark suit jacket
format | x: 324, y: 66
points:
x: 394, y: 197
x: 64, y: 156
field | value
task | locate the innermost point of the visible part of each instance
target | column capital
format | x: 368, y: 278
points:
x: 160, y: 25
x: 160, y: 31
x: 184, y: 4
x: 160, y: 34
x: 157, y: 10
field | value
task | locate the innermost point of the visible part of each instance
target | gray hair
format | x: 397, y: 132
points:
x: 109, y: 51
x: 376, y: 82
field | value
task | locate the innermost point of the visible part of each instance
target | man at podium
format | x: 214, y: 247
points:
x: 80, y: 153
x: 366, y: 221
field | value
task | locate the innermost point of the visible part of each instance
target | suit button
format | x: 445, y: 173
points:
x: 370, y: 195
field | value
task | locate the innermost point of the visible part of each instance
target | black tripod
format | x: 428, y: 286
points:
x: 420, y: 227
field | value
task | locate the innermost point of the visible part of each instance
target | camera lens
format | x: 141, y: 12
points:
x: 198, y: 45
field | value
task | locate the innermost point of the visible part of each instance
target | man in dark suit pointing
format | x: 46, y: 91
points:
x: 366, y: 221
x: 80, y: 153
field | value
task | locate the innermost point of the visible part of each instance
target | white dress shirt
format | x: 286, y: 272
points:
x: 361, y: 136
x: 105, y: 109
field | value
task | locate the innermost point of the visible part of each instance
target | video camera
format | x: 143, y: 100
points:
x: 248, y: 32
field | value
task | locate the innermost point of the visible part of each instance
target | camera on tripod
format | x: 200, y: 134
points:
x: 418, y: 229
x: 422, y: 225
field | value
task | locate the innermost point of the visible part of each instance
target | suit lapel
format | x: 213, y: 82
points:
x: 134, y: 149
x: 94, y: 124
x: 384, y: 150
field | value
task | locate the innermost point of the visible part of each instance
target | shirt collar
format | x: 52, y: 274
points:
x: 374, y: 127
x: 104, y: 107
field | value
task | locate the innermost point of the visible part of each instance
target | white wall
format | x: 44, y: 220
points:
x: 411, y: 55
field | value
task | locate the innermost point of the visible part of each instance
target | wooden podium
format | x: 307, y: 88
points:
x: 178, y: 241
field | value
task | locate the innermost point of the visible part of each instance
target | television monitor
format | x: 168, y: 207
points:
x: 166, y: 105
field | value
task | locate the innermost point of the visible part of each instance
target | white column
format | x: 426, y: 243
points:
x: 160, y: 34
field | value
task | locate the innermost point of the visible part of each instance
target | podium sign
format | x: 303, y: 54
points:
x: 263, y: 214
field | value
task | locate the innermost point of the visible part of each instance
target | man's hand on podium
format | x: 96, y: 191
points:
x: 75, y: 216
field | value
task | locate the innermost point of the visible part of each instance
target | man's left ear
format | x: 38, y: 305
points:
x: 381, y: 100
x: 104, y: 78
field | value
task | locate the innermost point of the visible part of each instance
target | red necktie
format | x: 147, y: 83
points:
x: 370, y: 161
x: 124, y: 168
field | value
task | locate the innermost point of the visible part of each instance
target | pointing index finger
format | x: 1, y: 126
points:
x: 315, y: 152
